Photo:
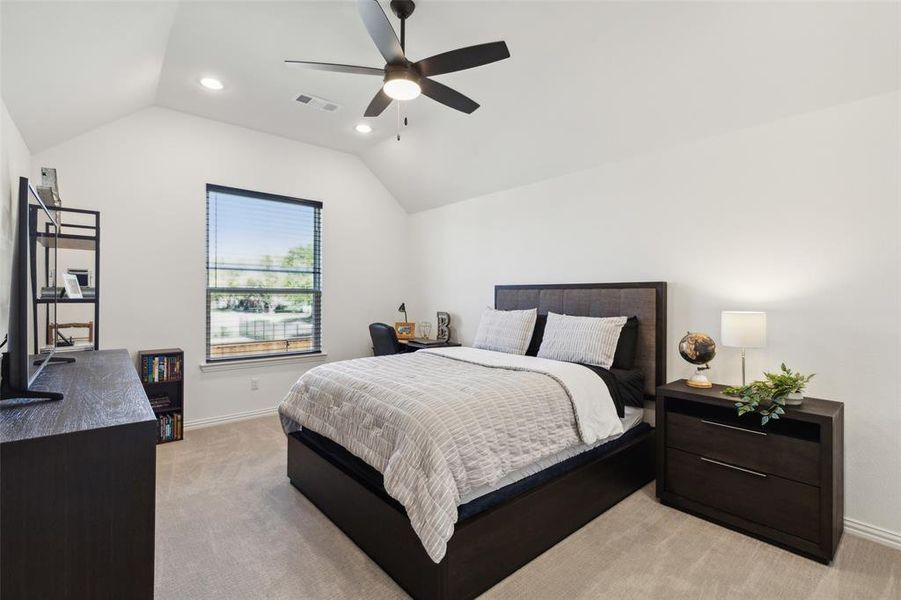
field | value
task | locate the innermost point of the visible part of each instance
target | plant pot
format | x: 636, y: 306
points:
x: 794, y: 399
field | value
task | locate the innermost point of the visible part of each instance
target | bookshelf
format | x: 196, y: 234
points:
x: 79, y: 229
x: 162, y: 375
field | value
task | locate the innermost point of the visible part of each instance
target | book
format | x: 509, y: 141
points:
x: 160, y: 402
x: 52, y: 292
x: 157, y: 369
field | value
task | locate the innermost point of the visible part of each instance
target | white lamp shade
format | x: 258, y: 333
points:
x: 743, y: 329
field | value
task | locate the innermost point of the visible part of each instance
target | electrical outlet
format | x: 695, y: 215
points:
x: 254, y: 383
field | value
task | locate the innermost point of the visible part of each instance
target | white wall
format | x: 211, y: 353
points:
x: 147, y: 174
x: 14, y: 163
x: 799, y: 218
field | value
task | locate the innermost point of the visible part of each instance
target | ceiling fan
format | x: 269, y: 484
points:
x: 405, y: 80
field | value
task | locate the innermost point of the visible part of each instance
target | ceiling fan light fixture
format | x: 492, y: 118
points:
x: 402, y: 86
x: 406, y: 80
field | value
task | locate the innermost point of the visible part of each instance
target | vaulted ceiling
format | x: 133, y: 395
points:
x: 587, y: 82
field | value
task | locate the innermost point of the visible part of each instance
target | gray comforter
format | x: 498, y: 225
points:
x: 440, y: 423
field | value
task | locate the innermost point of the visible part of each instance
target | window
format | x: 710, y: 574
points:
x: 264, y: 275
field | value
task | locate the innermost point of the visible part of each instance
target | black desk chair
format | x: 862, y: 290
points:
x: 384, y: 340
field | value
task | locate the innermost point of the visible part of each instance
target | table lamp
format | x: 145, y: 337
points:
x: 743, y: 329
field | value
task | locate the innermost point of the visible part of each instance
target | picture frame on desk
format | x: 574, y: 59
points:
x: 405, y: 330
x: 73, y: 290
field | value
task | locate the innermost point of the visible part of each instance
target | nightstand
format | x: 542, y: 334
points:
x: 781, y: 483
x: 413, y: 345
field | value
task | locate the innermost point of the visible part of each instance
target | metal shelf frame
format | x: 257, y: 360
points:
x: 84, y: 238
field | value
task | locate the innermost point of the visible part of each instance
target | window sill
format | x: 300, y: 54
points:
x: 251, y: 363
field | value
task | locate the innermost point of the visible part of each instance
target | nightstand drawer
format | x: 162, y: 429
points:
x: 763, y: 451
x: 765, y: 499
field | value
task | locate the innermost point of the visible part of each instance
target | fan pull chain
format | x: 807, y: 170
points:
x: 406, y: 122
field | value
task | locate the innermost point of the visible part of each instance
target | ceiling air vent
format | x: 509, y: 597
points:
x: 318, y: 103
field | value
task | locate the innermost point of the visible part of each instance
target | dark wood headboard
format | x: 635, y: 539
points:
x: 646, y: 300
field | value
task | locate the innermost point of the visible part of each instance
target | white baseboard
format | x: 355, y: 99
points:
x: 210, y: 421
x: 873, y: 533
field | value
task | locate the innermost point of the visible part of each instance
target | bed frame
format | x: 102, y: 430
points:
x: 491, y: 545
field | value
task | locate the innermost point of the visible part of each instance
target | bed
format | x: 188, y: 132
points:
x: 499, y: 528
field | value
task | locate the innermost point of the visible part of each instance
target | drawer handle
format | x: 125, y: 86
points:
x: 763, y: 433
x: 728, y: 466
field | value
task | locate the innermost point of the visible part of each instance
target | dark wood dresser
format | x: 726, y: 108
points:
x: 781, y: 483
x: 77, y: 485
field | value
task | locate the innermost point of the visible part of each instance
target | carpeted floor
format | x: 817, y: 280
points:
x: 230, y: 525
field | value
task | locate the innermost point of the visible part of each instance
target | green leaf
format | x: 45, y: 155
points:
x: 764, y: 420
x: 780, y: 411
x: 774, y: 415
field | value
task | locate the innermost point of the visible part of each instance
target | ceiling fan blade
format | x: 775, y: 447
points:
x: 379, y: 103
x: 445, y: 95
x: 380, y: 30
x: 463, y: 58
x: 336, y: 68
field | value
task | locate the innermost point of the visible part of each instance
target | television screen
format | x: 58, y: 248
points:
x: 47, y: 286
x: 34, y: 294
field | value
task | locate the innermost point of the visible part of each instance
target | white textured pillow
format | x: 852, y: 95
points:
x: 507, y: 331
x: 587, y: 340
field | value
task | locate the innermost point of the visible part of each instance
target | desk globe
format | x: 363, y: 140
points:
x: 698, y: 349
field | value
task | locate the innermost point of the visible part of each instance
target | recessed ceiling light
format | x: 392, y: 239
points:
x: 363, y: 128
x: 211, y: 84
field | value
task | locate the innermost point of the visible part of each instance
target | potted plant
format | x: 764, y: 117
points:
x: 788, y: 384
x: 770, y: 395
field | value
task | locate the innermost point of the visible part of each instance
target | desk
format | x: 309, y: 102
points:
x: 414, y: 345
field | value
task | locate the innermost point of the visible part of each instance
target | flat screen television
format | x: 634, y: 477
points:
x: 19, y: 369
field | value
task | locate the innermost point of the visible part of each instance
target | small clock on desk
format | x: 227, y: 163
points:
x: 782, y: 483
